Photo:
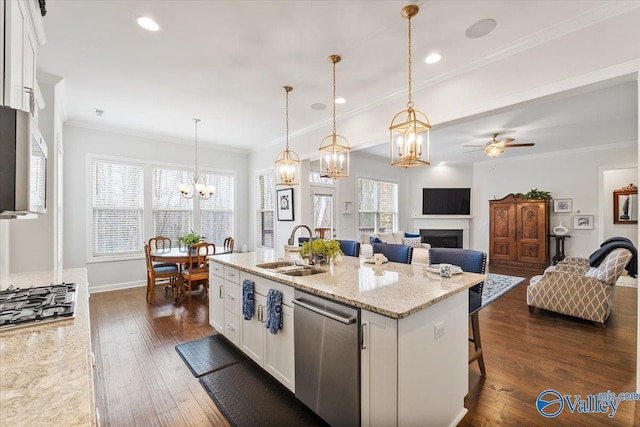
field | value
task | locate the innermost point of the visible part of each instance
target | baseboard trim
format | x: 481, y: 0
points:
x: 115, y: 287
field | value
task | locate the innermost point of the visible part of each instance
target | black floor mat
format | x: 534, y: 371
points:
x: 248, y: 396
x: 209, y: 354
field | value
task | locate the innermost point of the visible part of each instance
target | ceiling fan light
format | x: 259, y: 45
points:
x: 493, y: 150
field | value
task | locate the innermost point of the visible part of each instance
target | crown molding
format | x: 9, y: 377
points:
x: 599, y: 14
x: 151, y: 136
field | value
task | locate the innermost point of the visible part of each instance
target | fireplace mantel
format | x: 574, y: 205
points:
x: 443, y: 222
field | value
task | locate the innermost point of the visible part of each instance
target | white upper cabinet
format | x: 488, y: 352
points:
x: 20, y: 18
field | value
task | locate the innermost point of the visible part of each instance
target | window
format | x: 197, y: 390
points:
x: 266, y: 186
x: 172, y: 213
x: 377, y: 206
x: 118, y: 208
x: 216, y: 214
x: 316, y: 178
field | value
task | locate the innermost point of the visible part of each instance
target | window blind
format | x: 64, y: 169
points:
x: 266, y: 186
x: 216, y: 214
x: 118, y: 207
x: 172, y: 213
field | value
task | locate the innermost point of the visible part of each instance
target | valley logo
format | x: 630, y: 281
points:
x: 551, y: 403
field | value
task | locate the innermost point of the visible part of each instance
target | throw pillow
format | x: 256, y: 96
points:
x: 373, y: 240
x: 411, y: 235
x: 414, y: 242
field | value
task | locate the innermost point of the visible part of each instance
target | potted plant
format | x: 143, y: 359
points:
x: 537, y: 194
x: 323, y: 250
x: 190, y: 239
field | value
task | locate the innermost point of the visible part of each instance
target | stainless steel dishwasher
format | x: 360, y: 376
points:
x: 327, y: 352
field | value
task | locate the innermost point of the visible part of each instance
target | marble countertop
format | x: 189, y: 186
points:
x: 391, y: 289
x: 45, y: 370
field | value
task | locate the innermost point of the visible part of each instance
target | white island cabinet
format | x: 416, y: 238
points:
x: 216, y: 296
x: 413, y: 333
x: 274, y: 352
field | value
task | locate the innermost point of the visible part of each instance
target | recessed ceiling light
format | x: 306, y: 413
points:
x: 318, y: 106
x: 443, y: 163
x: 340, y: 100
x: 433, y: 58
x: 148, y: 23
x: 480, y: 28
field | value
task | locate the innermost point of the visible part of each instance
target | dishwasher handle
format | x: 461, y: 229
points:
x: 320, y: 311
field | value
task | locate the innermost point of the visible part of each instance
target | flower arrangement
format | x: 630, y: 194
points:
x: 323, y: 250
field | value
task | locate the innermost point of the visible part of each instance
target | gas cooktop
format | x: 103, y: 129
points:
x: 29, y: 306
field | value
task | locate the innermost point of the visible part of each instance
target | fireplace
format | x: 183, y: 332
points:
x: 442, y: 238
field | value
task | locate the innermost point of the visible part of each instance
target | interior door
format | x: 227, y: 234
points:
x: 324, y: 213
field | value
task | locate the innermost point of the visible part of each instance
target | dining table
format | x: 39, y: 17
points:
x: 171, y: 256
x: 178, y: 256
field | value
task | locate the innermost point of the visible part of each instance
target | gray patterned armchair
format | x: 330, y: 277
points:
x: 575, y: 289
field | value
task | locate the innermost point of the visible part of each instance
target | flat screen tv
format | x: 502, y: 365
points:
x: 446, y: 201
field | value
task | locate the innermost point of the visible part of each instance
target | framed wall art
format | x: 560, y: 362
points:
x: 562, y: 205
x: 285, y: 204
x: 583, y: 222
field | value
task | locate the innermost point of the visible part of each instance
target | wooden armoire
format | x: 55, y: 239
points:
x: 519, y: 233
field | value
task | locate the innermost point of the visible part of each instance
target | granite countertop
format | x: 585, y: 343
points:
x: 391, y: 289
x: 46, y: 370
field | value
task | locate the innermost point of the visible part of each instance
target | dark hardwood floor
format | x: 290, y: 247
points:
x: 139, y: 378
x: 141, y: 381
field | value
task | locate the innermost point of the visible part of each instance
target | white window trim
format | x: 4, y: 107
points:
x: 147, y: 219
x: 378, y: 179
x: 90, y: 257
x: 258, y: 210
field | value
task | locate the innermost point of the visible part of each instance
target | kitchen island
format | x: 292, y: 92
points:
x: 413, y: 330
x: 46, y: 369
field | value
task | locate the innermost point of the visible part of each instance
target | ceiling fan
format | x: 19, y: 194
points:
x: 494, y: 148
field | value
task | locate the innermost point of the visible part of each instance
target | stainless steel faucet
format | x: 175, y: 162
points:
x: 293, y: 233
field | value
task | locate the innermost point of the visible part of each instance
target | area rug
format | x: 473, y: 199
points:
x: 248, y: 396
x: 497, y: 285
x: 209, y: 354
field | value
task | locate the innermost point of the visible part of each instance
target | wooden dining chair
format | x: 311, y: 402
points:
x: 197, y: 268
x: 228, y: 245
x: 167, y: 274
x: 160, y: 243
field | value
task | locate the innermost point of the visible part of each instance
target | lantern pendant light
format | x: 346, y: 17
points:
x: 409, y: 133
x: 199, y: 183
x: 287, y: 162
x: 334, y: 149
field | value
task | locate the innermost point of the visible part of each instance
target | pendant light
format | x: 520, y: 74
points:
x: 199, y: 184
x: 409, y: 132
x: 287, y: 162
x: 334, y: 149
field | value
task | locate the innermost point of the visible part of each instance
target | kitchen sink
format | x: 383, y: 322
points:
x: 304, y: 271
x: 275, y: 264
x: 290, y: 269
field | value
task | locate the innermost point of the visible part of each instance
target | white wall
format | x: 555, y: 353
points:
x: 79, y: 142
x: 32, y: 242
x: 612, y: 180
x: 371, y: 167
x: 572, y: 174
